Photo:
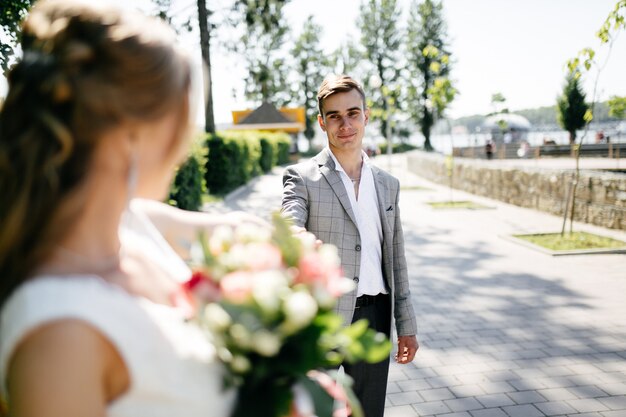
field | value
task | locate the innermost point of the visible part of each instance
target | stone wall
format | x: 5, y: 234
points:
x: 600, y: 196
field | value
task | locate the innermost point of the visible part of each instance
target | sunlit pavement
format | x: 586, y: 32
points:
x: 504, y: 330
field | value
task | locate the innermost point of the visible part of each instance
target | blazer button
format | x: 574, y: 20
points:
x: 356, y: 279
x: 357, y: 248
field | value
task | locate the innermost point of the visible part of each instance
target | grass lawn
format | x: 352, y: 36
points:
x: 456, y: 205
x: 210, y: 198
x: 572, y: 241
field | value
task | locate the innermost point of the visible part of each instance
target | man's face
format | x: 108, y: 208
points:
x: 344, y: 120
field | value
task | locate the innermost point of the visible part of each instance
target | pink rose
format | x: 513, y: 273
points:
x: 315, y: 270
x: 263, y: 257
x: 237, y: 287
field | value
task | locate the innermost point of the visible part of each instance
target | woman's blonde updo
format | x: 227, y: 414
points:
x: 85, y: 69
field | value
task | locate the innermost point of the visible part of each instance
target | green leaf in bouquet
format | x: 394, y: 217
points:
x: 282, y: 236
x: 356, y: 329
x: 376, y: 346
x: 345, y: 381
x: 209, y: 259
x: 330, y: 321
x: 322, y: 400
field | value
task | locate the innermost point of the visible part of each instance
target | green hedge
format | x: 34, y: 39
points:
x: 396, y: 147
x: 220, y: 163
x: 235, y: 157
x: 188, y: 187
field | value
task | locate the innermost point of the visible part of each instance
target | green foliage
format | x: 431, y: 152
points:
x: 396, y: 147
x: 12, y: 12
x: 311, y: 67
x: 430, y: 91
x: 572, y: 241
x: 617, y: 107
x: 235, y: 157
x: 347, y: 58
x: 262, y: 41
x: 381, y: 41
x: 572, y: 110
x: 187, y: 189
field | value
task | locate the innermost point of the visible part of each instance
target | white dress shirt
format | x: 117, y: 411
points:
x: 367, y: 216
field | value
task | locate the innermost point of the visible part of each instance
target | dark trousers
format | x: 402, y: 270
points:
x: 370, y: 379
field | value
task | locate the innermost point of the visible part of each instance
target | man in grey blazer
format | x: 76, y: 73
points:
x: 344, y: 200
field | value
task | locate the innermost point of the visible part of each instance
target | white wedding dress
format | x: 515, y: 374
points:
x: 172, y: 366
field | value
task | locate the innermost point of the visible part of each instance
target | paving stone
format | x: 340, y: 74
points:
x: 557, y: 394
x: 620, y: 413
x: 555, y: 408
x: 463, y: 404
x: 588, y: 404
x: 413, y: 385
x: 461, y: 414
x: 437, y: 394
x: 525, y: 410
x: 401, y: 411
x: 392, y: 388
x: 404, y: 398
x: 497, y: 387
x: 488, y: 412
x: 588, y: 391
x: 613, y: 389
x: 526, y: 397
x: 586, y: 415
x: 431, y: 408
x: 614, y: 403
x: 469, y: 390
x: 443, y: 382
x: 494, y: 400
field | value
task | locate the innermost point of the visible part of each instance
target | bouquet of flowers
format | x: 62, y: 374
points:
x: 266, y: 300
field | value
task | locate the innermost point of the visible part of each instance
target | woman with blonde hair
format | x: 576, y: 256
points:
x: 91, y: 318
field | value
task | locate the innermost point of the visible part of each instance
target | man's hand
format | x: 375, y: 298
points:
x: 407, y: 347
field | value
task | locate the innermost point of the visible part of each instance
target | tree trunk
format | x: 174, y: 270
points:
x: 572, y: 137
x: 205, y: 47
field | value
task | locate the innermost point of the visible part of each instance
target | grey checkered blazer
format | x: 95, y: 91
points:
x: 315, y: 198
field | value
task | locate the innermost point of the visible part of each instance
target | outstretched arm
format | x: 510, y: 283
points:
x: 180, y: 227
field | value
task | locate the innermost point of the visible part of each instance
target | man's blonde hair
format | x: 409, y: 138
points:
x: 334, y: 84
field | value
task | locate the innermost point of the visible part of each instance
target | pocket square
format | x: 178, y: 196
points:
x: 389, y: 208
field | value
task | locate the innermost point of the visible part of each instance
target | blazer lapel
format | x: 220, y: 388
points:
x: 382, y: 193
x: 327, y: 168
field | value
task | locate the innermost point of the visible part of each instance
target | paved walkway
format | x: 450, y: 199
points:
x: 504, y: 330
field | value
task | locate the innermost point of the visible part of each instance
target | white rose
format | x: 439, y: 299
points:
x: 329, y: 255
x: 240, y: 364
x: 241, y: 336
x: 268, y: 289
x: 221, y: 239
x: 248, y: 233
x: 217, y: 318
x: 300, y: 308
x: 266, y: 343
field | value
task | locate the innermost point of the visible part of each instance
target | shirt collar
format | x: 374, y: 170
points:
x: 338, y: 167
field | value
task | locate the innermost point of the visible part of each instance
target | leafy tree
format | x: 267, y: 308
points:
x: 347, y: 58
x: 617, y: 107
x: 572, y: 107
x: 430, y: 91
x: 613, y: 24
x: 163, y: 11
x: 498, y: 103
x: 262, y: 41
x: 311, y: 67
x: 380, y: 38
x: 12, y: 12
x: 205, y: 48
